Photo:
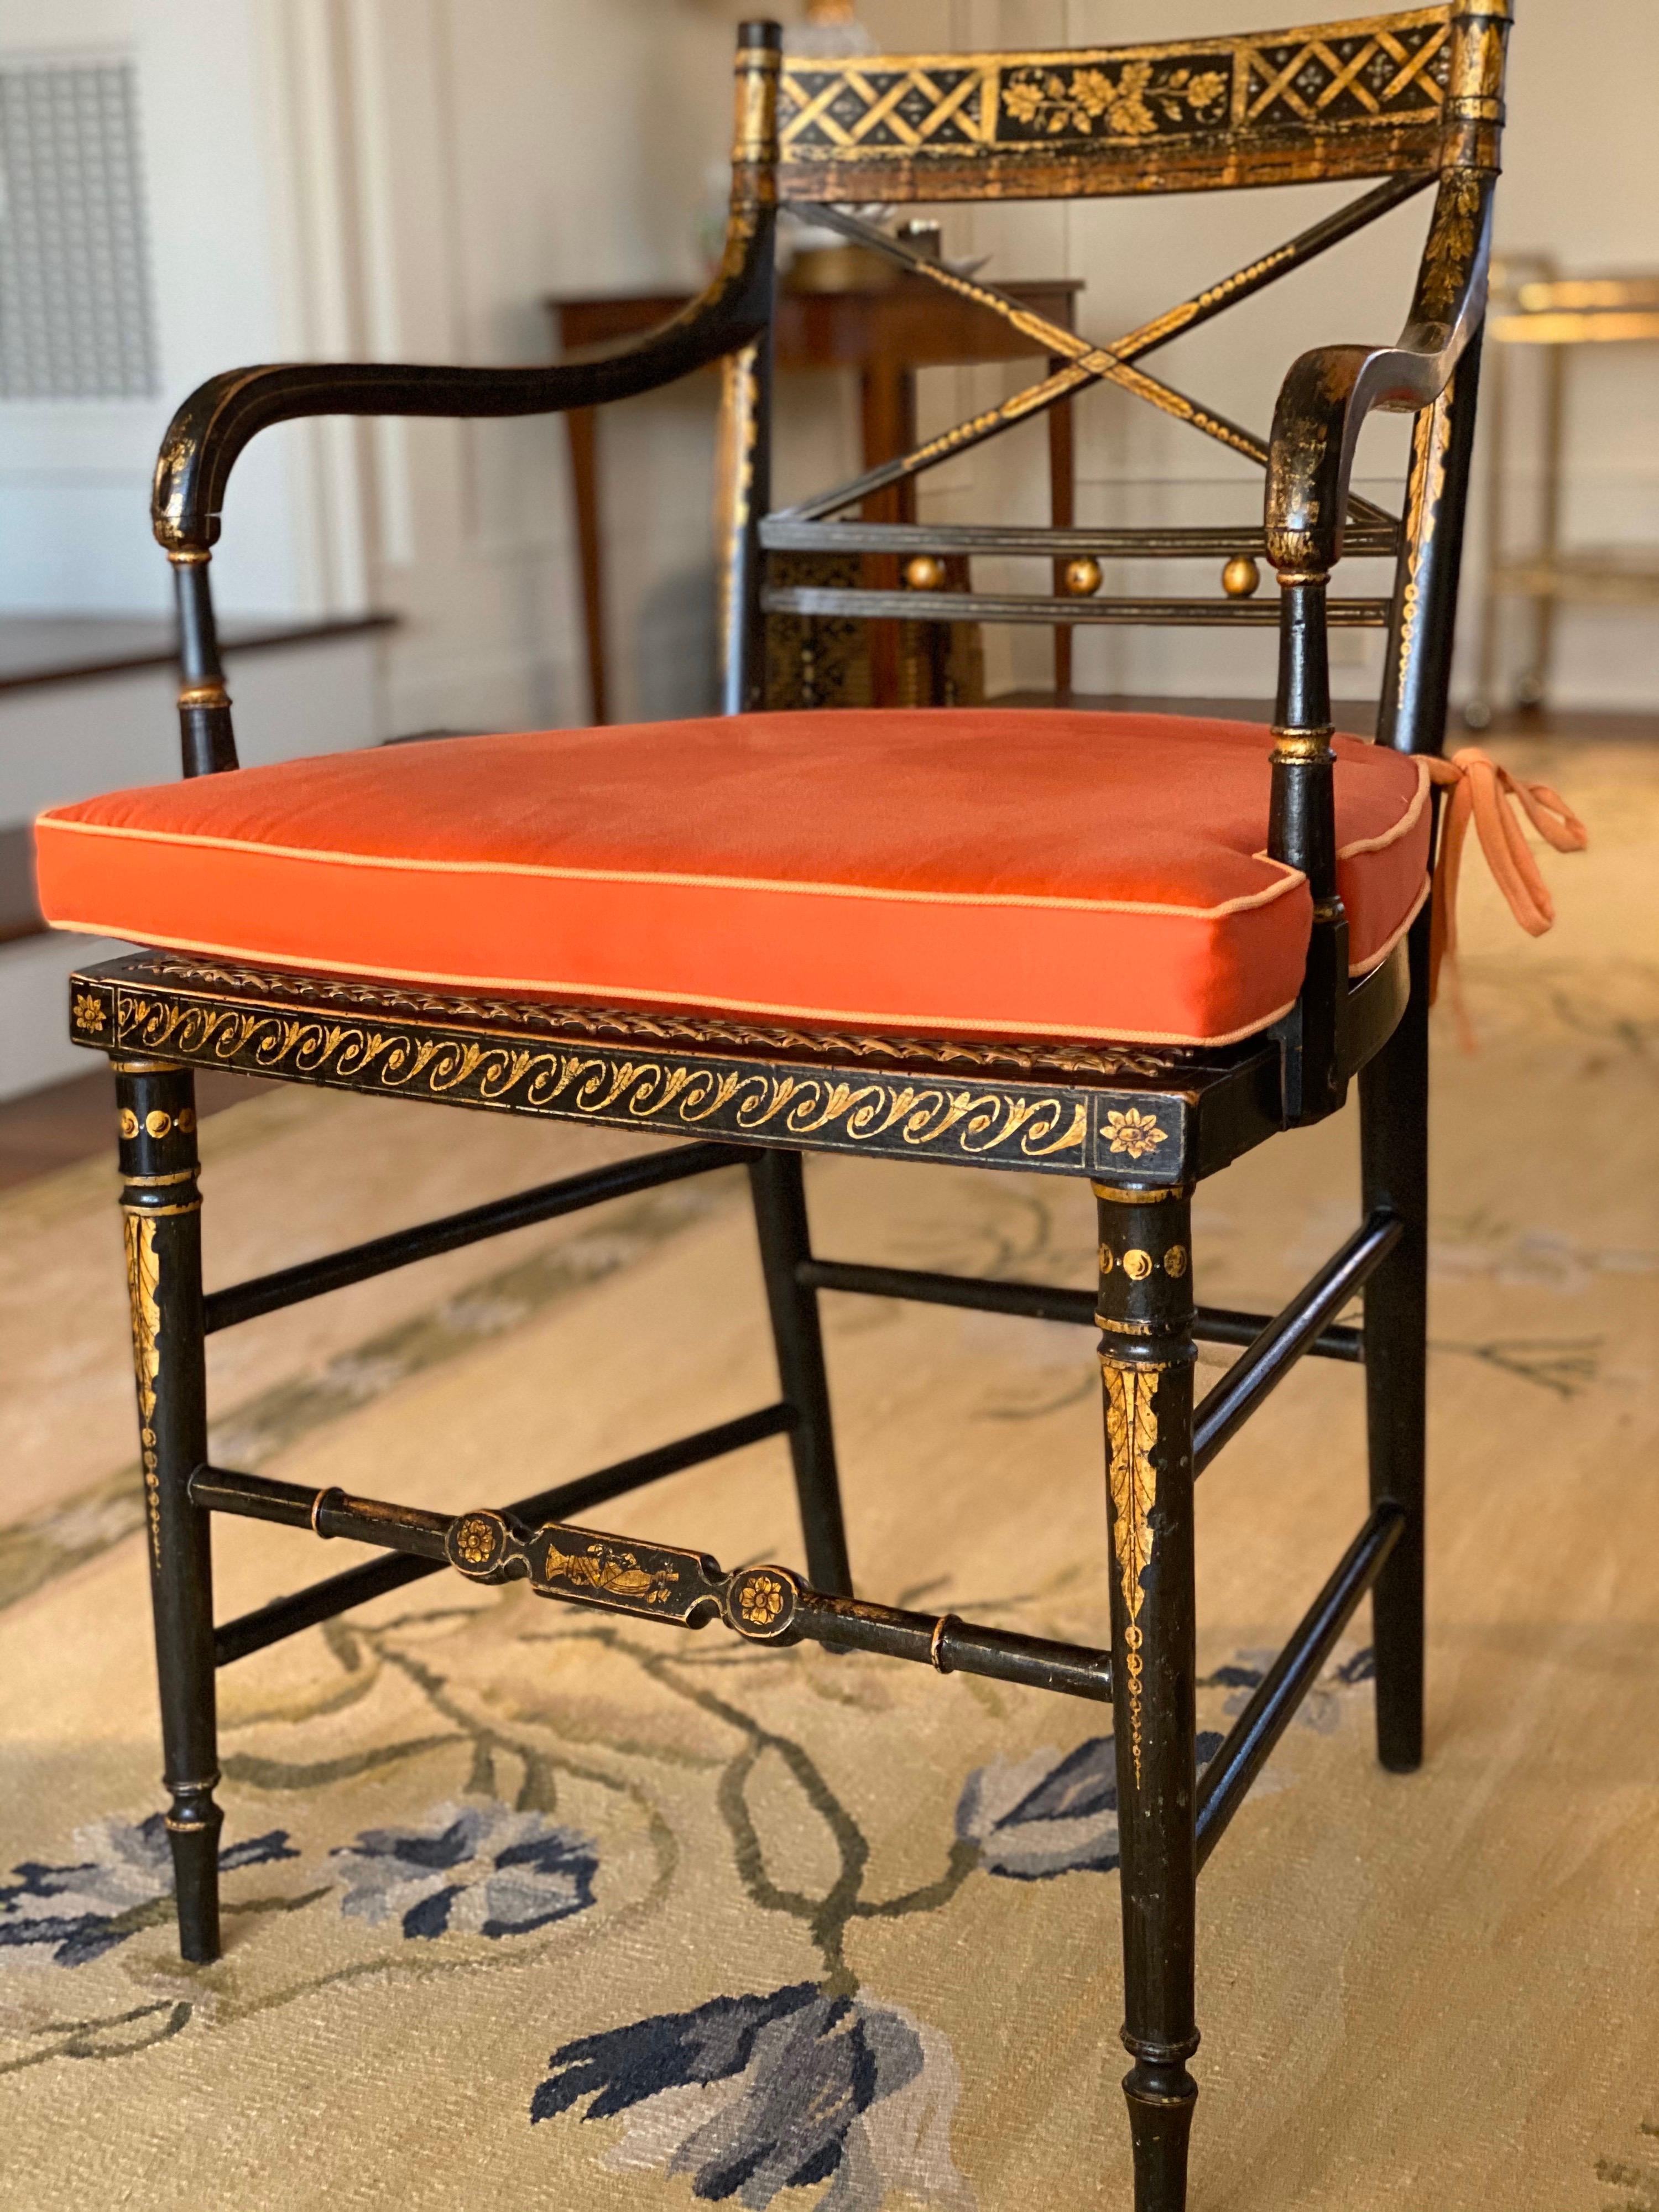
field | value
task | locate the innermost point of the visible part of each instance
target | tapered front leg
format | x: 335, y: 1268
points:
x: 1146, y: 1357
x: 1394, y: 1124
x: 779, y: 1191
x: 161, y: 1209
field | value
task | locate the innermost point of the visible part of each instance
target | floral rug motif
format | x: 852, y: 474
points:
x: 523, y: 1904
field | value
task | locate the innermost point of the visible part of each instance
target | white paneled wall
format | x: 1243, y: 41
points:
x: 61, y: 741
x: 503, y: 150
x: 74, y: 520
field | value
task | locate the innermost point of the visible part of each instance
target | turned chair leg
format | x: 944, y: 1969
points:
x: 1146, y: 1363
x: 781, y: 1223
x: 161, y: 1208
x: 1393, y: 1118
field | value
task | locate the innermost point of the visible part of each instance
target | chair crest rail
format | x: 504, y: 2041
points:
x: 1362, y: 97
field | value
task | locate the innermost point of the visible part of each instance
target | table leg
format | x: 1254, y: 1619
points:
x: 1062, y: 511
x: 1493, y: 411
x: 889, y: 392
x: 582, y: 423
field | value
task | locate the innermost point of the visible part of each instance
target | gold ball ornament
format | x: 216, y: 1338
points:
x: 926, y: 573
x: 1083, y: 578
x: 1241, y: 577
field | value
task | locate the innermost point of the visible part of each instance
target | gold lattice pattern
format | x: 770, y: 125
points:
x: 1389, y: 69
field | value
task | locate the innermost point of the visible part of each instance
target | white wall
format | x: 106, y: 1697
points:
x: 60, y: 742
x: 503, y: 150
x: 75, y: 474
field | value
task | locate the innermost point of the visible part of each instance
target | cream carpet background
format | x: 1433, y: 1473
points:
x: 525, y: 1907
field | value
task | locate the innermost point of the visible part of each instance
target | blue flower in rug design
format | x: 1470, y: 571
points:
x: 1038, y: 1817
x: 75, y: 1913
x: 1320, y: 1709
x: 476, y: 1870
x: 753, y: 2095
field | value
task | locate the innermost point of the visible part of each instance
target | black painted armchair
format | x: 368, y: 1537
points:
x: 1123, y: 949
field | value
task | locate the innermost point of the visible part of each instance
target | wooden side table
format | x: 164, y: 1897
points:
x: 886, y: 332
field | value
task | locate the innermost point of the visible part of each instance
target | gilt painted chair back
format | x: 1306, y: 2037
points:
x: 1382, y: 95
x: 1412, y: 99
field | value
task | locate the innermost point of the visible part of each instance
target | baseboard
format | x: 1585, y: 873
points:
x: 34, y: 1041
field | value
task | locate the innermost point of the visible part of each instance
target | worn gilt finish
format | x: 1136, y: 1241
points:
x: 1058, y: 1106
x: 144, y: 1275
x: 1148, y: 1353
x: 1357, y: 98
x: 1414, y: 99
x: 621, y: 1576
x: 1131, y: 1434
x: 161, y: 1218
x: 1081, y: 362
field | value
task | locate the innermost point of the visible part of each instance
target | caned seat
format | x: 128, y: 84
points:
x: 981, y: 872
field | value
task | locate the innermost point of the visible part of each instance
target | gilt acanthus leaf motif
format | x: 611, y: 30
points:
x: 1132, y: 1431
x: 143, y: 1288
x: 1131, y: 1436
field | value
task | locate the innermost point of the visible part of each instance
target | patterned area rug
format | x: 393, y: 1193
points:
x: 526, y: 1906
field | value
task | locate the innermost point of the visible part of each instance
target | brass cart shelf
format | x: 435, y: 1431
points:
x: 1532, y: 305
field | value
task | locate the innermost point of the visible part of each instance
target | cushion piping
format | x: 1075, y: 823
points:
x: 794, y: 887
x: 1368, y: 966
x: 1408, y: 821
x: 608, y: 994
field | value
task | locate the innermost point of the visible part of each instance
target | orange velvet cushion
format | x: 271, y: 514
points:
x: 976, y: 871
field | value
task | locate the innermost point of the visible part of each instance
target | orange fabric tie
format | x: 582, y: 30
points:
x: 1479, y: 790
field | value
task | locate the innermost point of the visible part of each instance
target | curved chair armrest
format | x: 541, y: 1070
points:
x: 1329, y: 393
x: 218, y: 419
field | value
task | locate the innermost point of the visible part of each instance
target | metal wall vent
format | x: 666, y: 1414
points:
x: 76, y: 316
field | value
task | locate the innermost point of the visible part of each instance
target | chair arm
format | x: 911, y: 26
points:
x: 1321, y: 409
x: 218, y: 419
x: 1329, y: 393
